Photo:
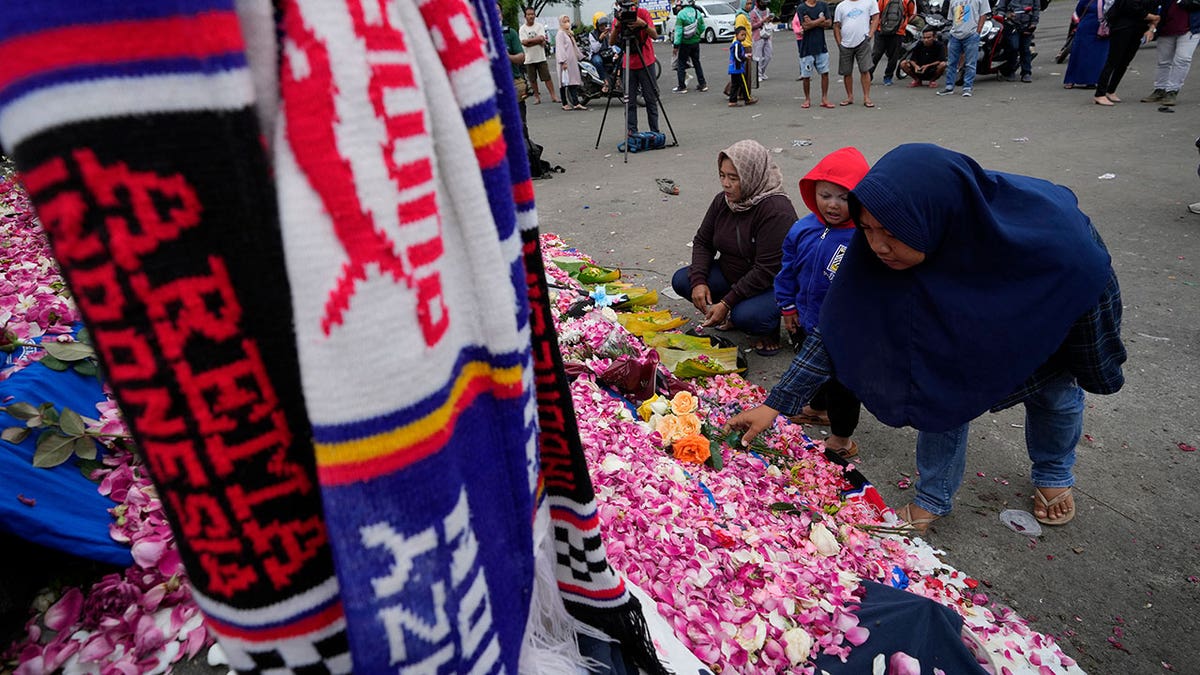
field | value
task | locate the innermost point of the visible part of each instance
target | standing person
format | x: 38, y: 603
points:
x: 1130, y: 22
x: 760, y: 18
x: 927, y: 321
x: 966, y: 20
x: 854, y: 22
x: 567, y: 54
x: 741, y: 19
x: 516, y: 61
x: 534, y: 40
x: 893, y: 20
x: 814, y: 55
x: 927, y: 61
x: 689, y: 28
x: 1178, y: 34
x: 1022, y: 19
x: 639, y: 61
x: 1195, y: 208
x: 737, y: 250
x: 798, y: 31
x: 739, y: 84
x: 812, y: 254
x: 1089, y: 50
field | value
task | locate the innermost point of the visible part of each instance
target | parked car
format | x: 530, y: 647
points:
x: 718, y: 19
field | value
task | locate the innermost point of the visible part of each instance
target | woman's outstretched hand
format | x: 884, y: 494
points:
x: 701, y: 298
x: 752, y: 422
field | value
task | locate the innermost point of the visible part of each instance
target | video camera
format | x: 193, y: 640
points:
x: 627, y: 11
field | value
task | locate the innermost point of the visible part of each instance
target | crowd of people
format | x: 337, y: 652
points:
x: 866, y: 33
x: 866, y: 284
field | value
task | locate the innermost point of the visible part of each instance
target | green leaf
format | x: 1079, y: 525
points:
x: 87, y: 368
x: 87, y: 466
x: 49, y: 414
x: 68, y: 351
x: 782, y: 507
x: 84, y: 447
x: 15, y: 434
x: 714, y: 458
x: 84, y: 336
x: 53, y: 363
x: 52, y: 449
x: 21, y: 410
x: 71, y: 423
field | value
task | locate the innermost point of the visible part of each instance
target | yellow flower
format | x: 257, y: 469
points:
x: 691, y: 448
x: 683, y: 402
x: 644, y: 410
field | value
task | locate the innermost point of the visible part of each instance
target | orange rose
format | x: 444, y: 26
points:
x: 692, y: 448
x: 683, y: 402
x: 668, y: 428
x: 689, y: 424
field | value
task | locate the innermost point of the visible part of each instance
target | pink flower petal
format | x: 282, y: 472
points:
x: 857, y: 635
x: 65, y: 612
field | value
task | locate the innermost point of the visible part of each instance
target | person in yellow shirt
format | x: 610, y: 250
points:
x: 742, y: 20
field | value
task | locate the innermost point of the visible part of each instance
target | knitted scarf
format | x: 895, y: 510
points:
x: 133, y: 127
x: 401, y: 181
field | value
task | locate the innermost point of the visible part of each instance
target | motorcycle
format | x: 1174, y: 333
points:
x: 998, y: 53
x: 593, y: 86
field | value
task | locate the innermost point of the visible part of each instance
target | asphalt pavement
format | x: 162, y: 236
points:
x: 1119, y: 586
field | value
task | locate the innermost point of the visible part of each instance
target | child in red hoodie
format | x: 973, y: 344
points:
x: 812, y: 253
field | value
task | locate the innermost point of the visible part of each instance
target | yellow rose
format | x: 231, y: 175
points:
x: 683, y: 402
x: 691, y: 448
x: 645, y: 410
x: 689, y: 424
x: 668, y: 427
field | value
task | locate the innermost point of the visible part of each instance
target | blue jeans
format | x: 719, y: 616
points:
x: 1020, y: 45
x: 1053, y: 425
x: 598, y: 62
x: 758, y: 315
x: 957, y: 49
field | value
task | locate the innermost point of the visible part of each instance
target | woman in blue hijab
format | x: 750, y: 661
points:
x: 993, y: 291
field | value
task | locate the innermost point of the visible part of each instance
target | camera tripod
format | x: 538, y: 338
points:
x: 631, y: 46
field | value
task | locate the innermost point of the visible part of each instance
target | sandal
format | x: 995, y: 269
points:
x: 828, y: 105
x: 667, y: 185
x: 765, y: 349
x: 806, y: 104
x: 537, y: 99
x: 1040, y: 503
x: 567, y: 108
x: 869, y: 104
x: 845, y: 453
x: 919, y: 525
x: 581, y: 107
x: 819, y: 420
x: 848, y: 101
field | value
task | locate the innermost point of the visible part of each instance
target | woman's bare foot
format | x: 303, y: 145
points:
x: 1114, y: 98
x: 1053, y: 506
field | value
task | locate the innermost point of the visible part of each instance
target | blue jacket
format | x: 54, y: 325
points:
x: 811, y: 256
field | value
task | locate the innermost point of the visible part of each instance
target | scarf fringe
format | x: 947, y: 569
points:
x: 626, y: 625
x: 550, y: 646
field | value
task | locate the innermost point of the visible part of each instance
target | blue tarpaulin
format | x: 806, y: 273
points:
x: 62, y: 509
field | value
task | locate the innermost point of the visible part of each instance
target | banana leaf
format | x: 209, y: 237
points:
x: 594, y: 274
x: 569, y: 265
x: 640, y: 323
x: 677, y: 341
x: 636, y: 299
x: 705, y: 362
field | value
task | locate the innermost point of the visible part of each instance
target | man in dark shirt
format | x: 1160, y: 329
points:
x: 640, y: 62
x: 814, y: 16
x: 927, y: 62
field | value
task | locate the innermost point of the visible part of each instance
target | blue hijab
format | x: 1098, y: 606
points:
x: 1011, y: 262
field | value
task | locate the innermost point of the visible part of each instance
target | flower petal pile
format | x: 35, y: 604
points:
x: 747, y: 587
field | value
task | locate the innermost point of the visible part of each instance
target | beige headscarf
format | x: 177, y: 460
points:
x: 759, y: 176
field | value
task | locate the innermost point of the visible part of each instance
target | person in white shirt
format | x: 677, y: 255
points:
x: 854, y: 22
x: 534, y: 41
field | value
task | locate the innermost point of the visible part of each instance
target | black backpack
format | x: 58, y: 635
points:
x: 893, y: 16
x: 538, y: 167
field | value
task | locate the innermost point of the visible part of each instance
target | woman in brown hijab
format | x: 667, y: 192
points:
x: 738, y: 249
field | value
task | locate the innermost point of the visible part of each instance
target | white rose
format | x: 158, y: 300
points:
x: 797, y: 644
x: 823, y: 539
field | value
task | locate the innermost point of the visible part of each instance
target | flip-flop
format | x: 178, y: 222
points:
x: 811, y: 420
x: 828, y: 105
x: 806, y: 104
x: 869, y: 104
x: 919, y: 525
x: 847, y: 102
x: 1040, y: 502
x: 765, y: 350
x: 581, y: 107
x: 845, y: 453
x: 667, y: 185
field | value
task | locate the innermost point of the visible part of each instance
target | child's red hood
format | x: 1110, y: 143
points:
x: 844, y: 167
